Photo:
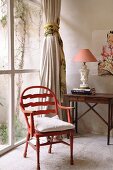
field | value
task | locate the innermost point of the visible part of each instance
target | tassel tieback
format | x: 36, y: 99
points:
x: 50, y: 29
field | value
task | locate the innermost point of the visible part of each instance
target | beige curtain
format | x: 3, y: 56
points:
x: 53, y: 68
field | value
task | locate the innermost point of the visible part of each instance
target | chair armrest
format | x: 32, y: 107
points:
x: 67, y: 111
x: 64, y: 107
x: 25, y: 111
x: 32, y: 130
x: 31, y: 123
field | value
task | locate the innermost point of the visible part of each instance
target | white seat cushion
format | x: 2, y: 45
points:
x: 47, y: 124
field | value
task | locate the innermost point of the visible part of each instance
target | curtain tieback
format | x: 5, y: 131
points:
x: 50, y: 29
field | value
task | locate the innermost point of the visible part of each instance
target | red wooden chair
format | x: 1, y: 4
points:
x: 36, y: 101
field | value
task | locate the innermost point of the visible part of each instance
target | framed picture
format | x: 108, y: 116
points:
x: 103, y: 49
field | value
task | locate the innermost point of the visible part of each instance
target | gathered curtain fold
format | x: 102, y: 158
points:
x: 53, y: 66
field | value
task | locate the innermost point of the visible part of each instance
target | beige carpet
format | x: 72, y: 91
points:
x: 90, y: 153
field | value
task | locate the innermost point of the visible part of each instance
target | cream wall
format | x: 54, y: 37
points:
x: 79, y: 19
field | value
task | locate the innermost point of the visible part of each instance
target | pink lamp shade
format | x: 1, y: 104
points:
x: 84, y: 55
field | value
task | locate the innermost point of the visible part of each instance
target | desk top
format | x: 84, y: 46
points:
x: 105, y: 95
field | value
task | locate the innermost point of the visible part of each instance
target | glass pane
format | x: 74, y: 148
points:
x: 4, y: 110
x: 4, y: 61
x: 27, y: 23
x: 21, y: 82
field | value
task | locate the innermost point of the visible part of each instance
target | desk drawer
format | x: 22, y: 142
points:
x: 90, y: 99
x: 93, y: 100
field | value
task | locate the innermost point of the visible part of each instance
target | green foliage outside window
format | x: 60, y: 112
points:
x: 19, y: 131
x: 3, y: 133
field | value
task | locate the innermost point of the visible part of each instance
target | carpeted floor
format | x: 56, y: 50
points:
x: 90, y: 153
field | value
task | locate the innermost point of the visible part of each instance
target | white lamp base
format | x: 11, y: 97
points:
x: 84, y: 86
x: 84, y: 72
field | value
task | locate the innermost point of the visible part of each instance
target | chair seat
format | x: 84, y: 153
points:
x: 47, y: 124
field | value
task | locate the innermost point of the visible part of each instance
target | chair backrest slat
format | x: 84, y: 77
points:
x: 33, y: 104
x: 44, y: 95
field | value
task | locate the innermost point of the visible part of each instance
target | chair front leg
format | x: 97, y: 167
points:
x: 27, y: 139
x: 38, y: 153
x: 71, y: 148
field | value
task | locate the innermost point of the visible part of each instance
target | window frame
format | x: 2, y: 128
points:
x: 12, y: 72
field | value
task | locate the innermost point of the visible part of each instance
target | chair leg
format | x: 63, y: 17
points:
x: 38, y: 153
x: 25, y: 152
x: 50, y: 146
x: 71, y: 148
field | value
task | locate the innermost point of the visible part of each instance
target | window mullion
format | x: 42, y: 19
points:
x: 11, y: 59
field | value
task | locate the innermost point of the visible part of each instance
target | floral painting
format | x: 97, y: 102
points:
x: 104, y: 51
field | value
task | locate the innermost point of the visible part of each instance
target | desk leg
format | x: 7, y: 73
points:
x: 76, y: 117
x: 73, y: 113
x: 112, y: 116
x: 66, y: 102
x: 109, y: 122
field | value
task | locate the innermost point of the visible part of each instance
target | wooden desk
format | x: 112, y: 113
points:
x: 98, y: 98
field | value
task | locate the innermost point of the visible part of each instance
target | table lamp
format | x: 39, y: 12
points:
x: 84, y: 55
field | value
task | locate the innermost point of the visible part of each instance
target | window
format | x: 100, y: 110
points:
x: 19, y: 64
